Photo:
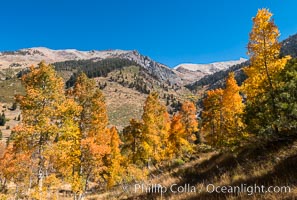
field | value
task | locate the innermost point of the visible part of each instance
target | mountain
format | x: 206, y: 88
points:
x: 182, y: 74
x: 32, y: 56
x: 194, y: 72
x: 125, y: 78
x: 217, y: 79
x: 289, y: 46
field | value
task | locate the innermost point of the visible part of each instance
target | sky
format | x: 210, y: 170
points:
x: 168, y: 31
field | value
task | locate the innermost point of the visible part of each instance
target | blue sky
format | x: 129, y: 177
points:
x: 169, y: 31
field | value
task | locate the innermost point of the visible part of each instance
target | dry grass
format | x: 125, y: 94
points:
x: 252, y: 165
x: 256, y: 164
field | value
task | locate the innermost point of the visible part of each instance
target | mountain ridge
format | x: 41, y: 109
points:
x: 32, y: 56
x: 181, y: 74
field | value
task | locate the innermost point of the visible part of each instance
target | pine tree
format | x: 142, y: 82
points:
x: 286, y: 102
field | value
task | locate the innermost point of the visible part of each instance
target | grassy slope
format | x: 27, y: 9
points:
x: 271, y: 163
x: 124, y: 103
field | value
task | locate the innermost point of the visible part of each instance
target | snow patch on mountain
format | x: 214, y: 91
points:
x: 211, y: 67
x: 192, y: 72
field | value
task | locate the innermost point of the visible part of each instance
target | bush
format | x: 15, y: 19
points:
x: 14, y: 106
x: 2, y: 119
x: 178, y: 162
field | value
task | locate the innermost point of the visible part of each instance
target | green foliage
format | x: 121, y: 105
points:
x: 287, y: 97
x: 178, y: 162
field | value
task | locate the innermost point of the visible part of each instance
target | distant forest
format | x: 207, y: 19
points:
x: 92, y: 68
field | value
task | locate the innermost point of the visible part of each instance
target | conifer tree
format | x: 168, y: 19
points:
x: 286, y: 102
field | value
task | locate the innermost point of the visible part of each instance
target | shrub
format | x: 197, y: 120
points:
x: 2, y: 119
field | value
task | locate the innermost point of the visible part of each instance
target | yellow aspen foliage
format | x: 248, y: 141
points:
x: 232, y: 108
x: 115, y: 170
x: 132, y: 138
x: 177, y: 137
x: 183, y: 127
x: 65, y: 153
x: 93, y: 118
x: 264, y: 50
x: 156, y: 124
x: 44, y: 95
x: 222, y: 116
x: 213, y: 117
x: 94, y: 141
x: 16, y: 167
x: 189, y: 120
x: 99, y: 118
x: 265, y: 64
x: 133, y: 153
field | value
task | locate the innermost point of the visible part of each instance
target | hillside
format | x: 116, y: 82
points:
x: 125, y: 77
x: 269, y: 163
x: 289, y: 46
x: 124, y: 83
